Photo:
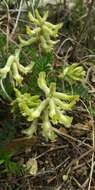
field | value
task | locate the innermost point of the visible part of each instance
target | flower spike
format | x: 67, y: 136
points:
x: 42, y: 33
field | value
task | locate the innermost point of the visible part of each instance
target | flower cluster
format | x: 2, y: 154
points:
x: 15, y: 69
x: 50, y: 111
x: 42, y: 33
x: 72, y: 73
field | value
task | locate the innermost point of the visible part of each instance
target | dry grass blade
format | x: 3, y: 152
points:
x: 73, y: 139
x: 17, y: 19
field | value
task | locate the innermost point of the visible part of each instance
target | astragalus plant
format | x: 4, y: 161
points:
x: 72, y: 73
x: 48, y: 111
x: 44, y: 32
x: 51, y: 109
x: 15, y: 69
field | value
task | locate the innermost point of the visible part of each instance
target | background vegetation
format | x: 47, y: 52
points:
x: 68, y: 162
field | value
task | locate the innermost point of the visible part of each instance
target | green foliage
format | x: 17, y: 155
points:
x: 1, y: 161
x: 78, y: 10
x: 78, y: 88
x: 43, y: 62
x: 9, y: 166
x: 42, y: 32
x: 79, y: 7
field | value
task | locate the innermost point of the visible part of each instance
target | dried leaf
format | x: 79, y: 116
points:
x: 32, y: 166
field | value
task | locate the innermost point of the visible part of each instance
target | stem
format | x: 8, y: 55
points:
x: 3, y: 89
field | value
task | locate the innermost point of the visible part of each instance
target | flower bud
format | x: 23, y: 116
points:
x: 48, y: 132
x: 42, y: 83
x: 31, y: 130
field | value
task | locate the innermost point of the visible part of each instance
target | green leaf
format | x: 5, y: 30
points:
x: 1, y: 162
